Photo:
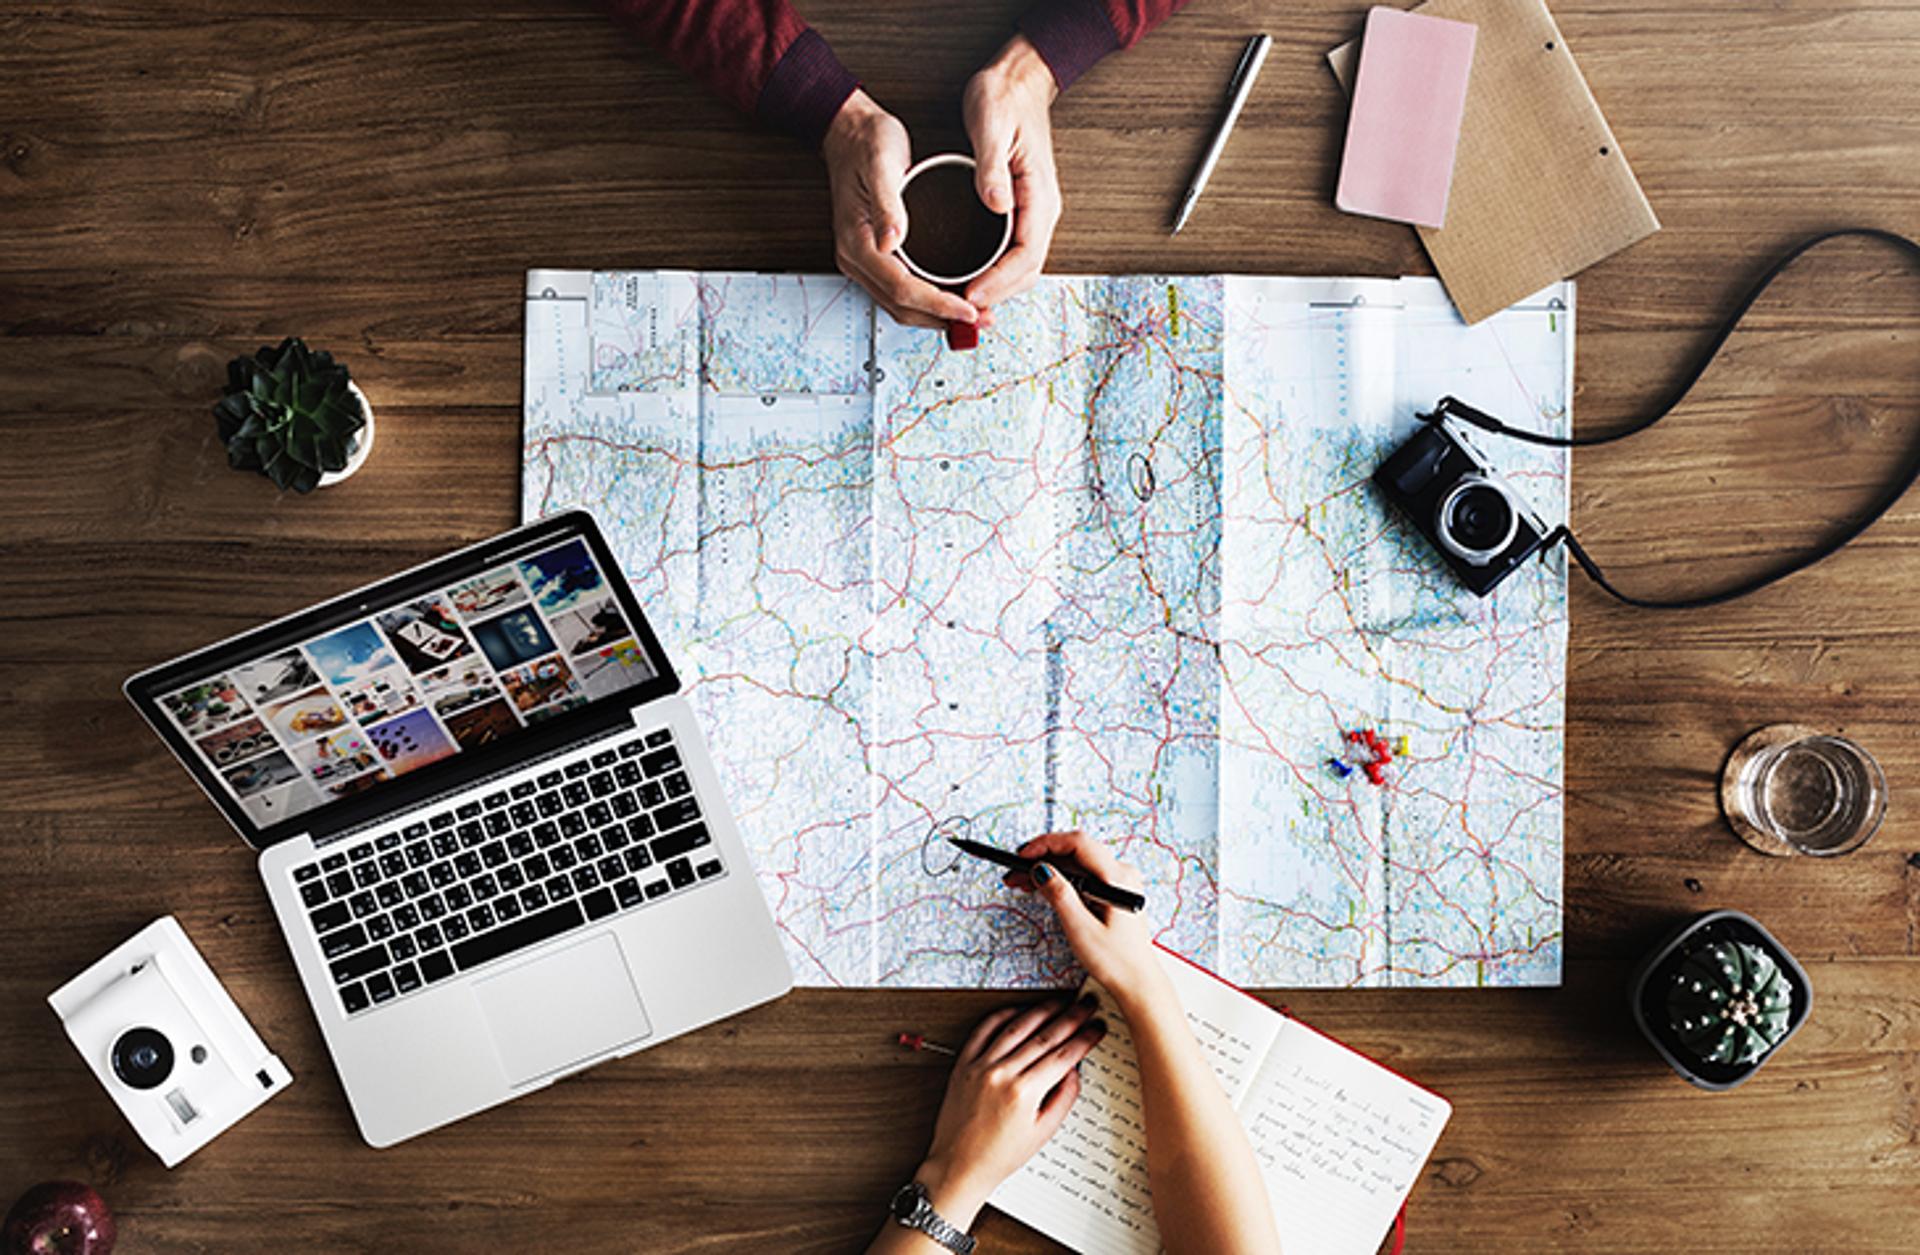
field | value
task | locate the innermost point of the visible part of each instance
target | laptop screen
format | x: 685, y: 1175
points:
x: 466, y: 658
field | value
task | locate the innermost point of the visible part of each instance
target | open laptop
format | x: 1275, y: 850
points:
x: 487, y: 822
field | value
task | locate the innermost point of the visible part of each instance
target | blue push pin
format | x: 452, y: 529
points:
x: 1341, y: 769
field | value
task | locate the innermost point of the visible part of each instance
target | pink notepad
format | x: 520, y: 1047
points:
x: 1408, y: 98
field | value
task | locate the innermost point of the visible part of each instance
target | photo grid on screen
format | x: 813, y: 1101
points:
x: 467, y: 666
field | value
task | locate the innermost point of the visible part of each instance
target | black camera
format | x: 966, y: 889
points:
x: 1477, y: 522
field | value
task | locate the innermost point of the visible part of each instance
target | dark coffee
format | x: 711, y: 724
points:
x: 950, y: 231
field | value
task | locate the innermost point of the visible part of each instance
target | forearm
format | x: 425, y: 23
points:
x: 1208, y: 1194
x: 1074, y: 34
x: 759, y: 54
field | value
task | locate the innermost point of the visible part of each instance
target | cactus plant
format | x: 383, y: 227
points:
x: 289, y: 413
x: 1730, y: 1003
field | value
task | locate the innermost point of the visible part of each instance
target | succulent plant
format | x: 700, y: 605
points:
x: 1730, y: 1002
x: 288, y: 413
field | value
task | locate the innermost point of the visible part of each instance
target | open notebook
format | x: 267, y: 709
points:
x: 1339, y: 1138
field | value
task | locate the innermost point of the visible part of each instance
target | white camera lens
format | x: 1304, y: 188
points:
x: 1476, y: 519
x: 143, y: 1057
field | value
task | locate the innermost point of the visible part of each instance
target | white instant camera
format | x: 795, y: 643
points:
x: 165, y: 1039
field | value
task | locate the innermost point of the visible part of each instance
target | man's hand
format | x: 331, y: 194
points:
x: 1007, y: 107
x: 867, y: 152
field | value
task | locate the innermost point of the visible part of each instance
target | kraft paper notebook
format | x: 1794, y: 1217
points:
x: 1540, y: 187
x: 1339, y: 1138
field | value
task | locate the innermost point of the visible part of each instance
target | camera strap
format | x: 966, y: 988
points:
x: 1450, y: 407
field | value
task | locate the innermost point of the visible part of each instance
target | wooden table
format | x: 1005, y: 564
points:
x: 181, y: 180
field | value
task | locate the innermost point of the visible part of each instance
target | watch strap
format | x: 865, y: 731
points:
x: 922, y: 1218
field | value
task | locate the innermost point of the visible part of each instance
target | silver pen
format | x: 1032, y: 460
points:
x: 1237, y: 92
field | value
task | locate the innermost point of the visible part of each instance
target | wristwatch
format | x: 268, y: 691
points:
x: 912, y: 1210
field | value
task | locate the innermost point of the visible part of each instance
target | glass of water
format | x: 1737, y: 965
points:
x: 1791, y: 790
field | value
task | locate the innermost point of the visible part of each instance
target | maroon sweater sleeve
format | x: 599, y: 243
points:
x: 759, y: 54
x: 1070, y: 35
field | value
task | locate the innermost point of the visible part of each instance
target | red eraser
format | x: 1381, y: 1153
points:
x: 963, y: 335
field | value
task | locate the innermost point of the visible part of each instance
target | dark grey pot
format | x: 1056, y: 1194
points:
x: 1649, y: 1012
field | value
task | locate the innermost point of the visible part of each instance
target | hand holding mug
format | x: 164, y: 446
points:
x: 867, y: 155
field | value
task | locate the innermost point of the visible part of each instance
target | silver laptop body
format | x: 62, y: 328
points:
x: 489, y: 825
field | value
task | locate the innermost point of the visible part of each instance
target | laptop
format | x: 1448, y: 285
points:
x: 489, y: 826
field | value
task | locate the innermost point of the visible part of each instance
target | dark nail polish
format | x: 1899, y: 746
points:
x: 1099, y: 1025
x: 1042, y: 873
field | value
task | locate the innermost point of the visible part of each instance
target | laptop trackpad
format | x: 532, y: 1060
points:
x: 562, y: 1008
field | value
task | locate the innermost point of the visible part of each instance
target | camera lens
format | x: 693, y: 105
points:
x: 143, y: 1057
x: 1477, y: 519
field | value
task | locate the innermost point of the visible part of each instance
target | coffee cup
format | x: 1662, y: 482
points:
x: 952, y: 236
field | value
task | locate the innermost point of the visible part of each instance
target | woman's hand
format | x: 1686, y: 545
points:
x: 1008, y: 107
x: 1012, y: 1085
x: 1113, y: 945
x: 867, y: 153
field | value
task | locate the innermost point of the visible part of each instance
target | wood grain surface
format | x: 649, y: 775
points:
x: 181, y: 180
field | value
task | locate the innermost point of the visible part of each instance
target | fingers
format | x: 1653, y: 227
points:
x: 991, y: 132
x: 1020, y: 268
x: 1016, y: 271
x: 894, y: 288
x: 1059, y: 1102
x: 1089, y: 852
x: 1051, y: 1034
x: 1054, y: 1067
x: 1076, y: 919
x: 984, y: 1031
x: 887, y: 211
x: 1036, y: 197
x: 1015, y: 1032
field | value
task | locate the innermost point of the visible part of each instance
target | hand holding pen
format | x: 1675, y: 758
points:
x: 1114, y: 945
x: 1026, y: 870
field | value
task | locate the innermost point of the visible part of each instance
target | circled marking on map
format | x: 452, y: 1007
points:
x: 1140, y: 476
x: 937, y: 858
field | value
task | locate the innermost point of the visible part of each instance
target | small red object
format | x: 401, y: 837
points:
x: 59, y: 1218
x: 963, y: 335
x: 1375, y: 774
x: 917, y: 1041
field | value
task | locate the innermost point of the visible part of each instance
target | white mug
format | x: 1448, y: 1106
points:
x: 1006, y: 236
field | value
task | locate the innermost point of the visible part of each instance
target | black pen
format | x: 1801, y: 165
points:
x: 1089, y: 886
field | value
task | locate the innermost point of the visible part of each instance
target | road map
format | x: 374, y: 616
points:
x: 1121, y: 568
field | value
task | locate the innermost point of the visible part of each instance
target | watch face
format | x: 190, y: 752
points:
x: 908, y: 1200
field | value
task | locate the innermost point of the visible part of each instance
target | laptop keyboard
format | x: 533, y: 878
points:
x: 608, y: 832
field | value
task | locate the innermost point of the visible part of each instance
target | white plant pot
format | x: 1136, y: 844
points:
x: 361, y: 446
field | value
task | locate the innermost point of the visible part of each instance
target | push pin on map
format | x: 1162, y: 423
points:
x: 1366, y: 750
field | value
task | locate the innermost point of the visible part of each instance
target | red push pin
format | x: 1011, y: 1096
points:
x: 916, y: 1041
x: 963, y: 335
x: 1377, y: 754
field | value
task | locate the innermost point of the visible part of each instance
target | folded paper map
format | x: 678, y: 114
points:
x: 1121, y: 568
